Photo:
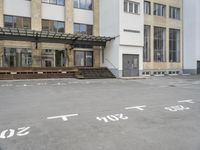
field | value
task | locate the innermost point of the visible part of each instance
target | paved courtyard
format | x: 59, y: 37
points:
x: 158, y: 113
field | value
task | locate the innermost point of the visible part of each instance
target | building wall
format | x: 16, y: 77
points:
x: 167, y: 23
x: 191, y: 35
x: 109, y: 26
x: 38, y: 11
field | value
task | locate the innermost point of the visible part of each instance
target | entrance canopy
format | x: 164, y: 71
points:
x: 16, y: 34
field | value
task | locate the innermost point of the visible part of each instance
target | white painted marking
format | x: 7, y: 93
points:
x: 137, y: 107
x: 8, y: 133
x: 23, y: 131
x: 187, y: 101
x: 177, y: 108
x: 64, y: 117
x: 6, y: 85
x: 113, y: 118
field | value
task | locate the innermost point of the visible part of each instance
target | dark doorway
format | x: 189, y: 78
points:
x: 198, y: 67
x: 130, y: 65
x: 59, y: 56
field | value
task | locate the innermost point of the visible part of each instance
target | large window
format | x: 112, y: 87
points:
x: 159, y: 44
x: 84, y: 58
x: 19, y: 57
x: 147, y: 7
x: 174, y: 13
x: 174, y: 45
x: 147, y: 45
x: 83, y: 28
x: 83, y: 4
x: 53, y: 26
x: 159, y: 9
x: 131, y: 7
x: 17, y: 22
x: 55, y: 2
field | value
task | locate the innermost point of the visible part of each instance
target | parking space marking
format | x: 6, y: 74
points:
x: 187, y: 101
x: 177, y: 108
x: 136, y: 107
x: 8, y: 133
x: 63, y: 117
x: 113, y: 118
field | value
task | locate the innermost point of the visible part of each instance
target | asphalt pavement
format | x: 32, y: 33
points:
x: 157, y: 113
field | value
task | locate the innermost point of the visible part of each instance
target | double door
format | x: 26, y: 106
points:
x: 130, y: 65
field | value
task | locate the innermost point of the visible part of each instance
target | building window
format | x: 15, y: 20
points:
x: 83, y: 58
x: 174, y: 45
x: 55, y: 2
x: 53, y: 58
x: 17, y: 57
x: 147, y: 45
x: 159, y: 10
x: 83, y: 28
x: 17, y: 22
x: 147, y: 7
x: 83, y: 4
x: 53, y: 26
x: 131, y: 7
x: 174, y: 13
x: 159, y: 44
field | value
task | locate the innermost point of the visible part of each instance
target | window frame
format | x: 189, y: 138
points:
x: 51, y: 25
x: 56, y: 3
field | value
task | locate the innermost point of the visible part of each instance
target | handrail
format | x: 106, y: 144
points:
x: 111, y: 63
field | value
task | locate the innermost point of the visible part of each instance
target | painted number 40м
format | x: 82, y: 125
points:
x: 115, y: 117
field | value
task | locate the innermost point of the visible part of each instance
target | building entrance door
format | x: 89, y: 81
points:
x: 59, y: 55
x: 198, y: 67
x: 130, y: 65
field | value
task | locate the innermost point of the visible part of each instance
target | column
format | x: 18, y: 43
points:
x: 36, y: 55
x: 69, y: 16
x: 1, y: 54
x: 96, y: 56
x: 36, y: 12
x: 96, y: 17
x: 1, y: 13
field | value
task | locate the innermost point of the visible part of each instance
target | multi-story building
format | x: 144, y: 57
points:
x: 130, y: 37
x: 50, y: 33
x: 191, y: 36
x: 163, y: 46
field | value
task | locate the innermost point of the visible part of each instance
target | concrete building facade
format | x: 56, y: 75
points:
x: 60, y: 16
x: 147, y: 36
x: 163, y: 38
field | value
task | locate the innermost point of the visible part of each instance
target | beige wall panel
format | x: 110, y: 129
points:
x: 36, y: 55
x: 36, y: 12
x: 53, y: 46
x: 96, y: 55
x: 1, y: 13
x: 69, y: 16
x: 16, y: 44
x: 96, y: 18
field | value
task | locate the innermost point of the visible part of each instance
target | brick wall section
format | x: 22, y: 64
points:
x: 69, y: 16
x: 1, y: 13
x: 36, y: 11
x: 96, y: 18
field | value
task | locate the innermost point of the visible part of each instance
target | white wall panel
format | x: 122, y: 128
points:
x: 53, y: 12
x: 17, y: 8
x: 83, y: 16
